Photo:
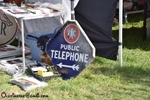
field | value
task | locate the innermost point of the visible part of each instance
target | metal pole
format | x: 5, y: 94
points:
x: 120, y: 30
x: 23, y: 45
x: 72, y: 10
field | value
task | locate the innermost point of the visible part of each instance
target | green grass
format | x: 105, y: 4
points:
x: 103, y: 79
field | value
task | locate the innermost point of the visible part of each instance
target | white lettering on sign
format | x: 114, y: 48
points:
x: 72, y: 56
x: 69, y: 47
x: 74, y: 67
x: 3, y: 28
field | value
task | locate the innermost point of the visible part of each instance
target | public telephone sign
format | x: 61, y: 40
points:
x: 70, y: 50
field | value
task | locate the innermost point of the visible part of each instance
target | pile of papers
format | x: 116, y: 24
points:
x: 57, y: 7
x: 28, y: 83
x: 36, y: 8
x: 13, y: 66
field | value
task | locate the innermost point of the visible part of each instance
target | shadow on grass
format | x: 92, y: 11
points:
x: 135, y: 17
x: 129, y: 74
x: 133, y: 39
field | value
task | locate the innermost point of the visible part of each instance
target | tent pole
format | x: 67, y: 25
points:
x: 120, y: 30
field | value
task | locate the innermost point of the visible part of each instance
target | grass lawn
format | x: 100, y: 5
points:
x: 103, y: 79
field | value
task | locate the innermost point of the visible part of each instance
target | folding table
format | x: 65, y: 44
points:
x: 22, y: 18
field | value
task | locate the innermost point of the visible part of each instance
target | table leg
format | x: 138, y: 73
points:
x: 23, y: 45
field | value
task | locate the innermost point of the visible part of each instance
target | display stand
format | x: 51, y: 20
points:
x: 28, y: 16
